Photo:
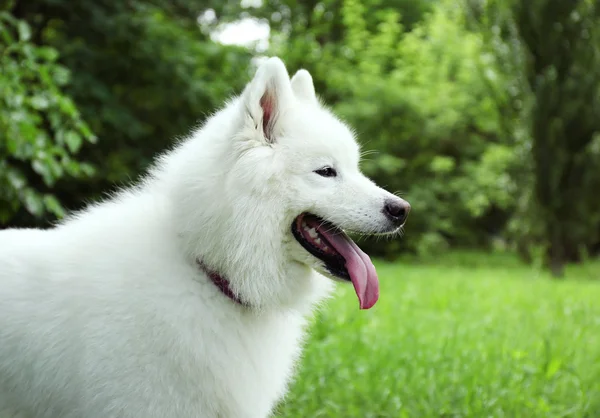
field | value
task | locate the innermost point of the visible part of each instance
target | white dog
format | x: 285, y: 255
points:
x: 186, y: 296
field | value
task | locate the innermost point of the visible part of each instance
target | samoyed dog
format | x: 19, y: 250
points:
x: 187, y: 295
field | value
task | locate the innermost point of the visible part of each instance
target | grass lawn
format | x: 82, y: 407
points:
x: 467, y: 335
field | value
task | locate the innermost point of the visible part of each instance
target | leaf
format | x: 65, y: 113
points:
x: 33, y: 203
x: 390, y: 164
x: 553, y: 367
x: 60, y: 75
x: 441, y: 164
x: 87, y: 132
x: 16, y: 179
x: 71, y: 167
x: 24, y: 31
x: 43, y: 170
x: 55, y: 167
x: 88, y: 169
x: 39, y: 102
x: 53, y: 205
x: 73, y: 141
x: 47, y: 53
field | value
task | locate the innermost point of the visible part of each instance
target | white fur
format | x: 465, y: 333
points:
x: 108, y: 315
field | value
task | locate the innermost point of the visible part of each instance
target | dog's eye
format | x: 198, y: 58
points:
x: 326, y: 172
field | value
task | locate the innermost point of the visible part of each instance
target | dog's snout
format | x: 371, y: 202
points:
x: 396, y: 210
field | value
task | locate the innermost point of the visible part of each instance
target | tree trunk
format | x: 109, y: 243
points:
x: 556, y: 253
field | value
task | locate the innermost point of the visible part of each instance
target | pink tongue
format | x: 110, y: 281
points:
x: 359, y: 265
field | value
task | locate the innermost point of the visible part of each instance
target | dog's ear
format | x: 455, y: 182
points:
x: 267, y: 95
x: 302, y: 85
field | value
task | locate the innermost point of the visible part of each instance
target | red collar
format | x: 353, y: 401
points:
x: 221, y: 283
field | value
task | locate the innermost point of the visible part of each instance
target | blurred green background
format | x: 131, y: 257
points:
x: 484, y: 114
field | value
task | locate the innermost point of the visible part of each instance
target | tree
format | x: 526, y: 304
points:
x: 562, y: 45
x: 142, y: 74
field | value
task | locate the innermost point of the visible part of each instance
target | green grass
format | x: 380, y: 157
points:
x: 464, y: 336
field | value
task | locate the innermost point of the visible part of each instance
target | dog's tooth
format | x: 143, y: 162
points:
x: 313, y: 233
x: 318, y: 241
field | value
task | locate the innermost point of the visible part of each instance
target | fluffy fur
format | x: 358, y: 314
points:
x: 108, y: 315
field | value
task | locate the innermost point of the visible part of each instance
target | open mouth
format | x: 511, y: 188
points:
x: 340, y: 255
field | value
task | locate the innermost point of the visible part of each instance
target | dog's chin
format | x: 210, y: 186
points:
x: 322, y: 269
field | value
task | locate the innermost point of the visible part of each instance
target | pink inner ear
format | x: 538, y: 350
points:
x: 267, y: 103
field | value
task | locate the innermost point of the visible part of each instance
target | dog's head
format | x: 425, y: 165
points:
x: 314, y: 163
x: 270, y: 185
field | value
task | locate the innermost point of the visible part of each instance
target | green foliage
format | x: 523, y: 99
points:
x: 421, y: 99
x: 41, y: 130
x: 318, y: 19
x: 464, y: 336
x: 142, y: 73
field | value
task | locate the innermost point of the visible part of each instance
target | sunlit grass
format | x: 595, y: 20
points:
x: 465, y: 336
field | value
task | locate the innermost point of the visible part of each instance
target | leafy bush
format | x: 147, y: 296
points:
x: 141, y: 74
x: 41, y: 130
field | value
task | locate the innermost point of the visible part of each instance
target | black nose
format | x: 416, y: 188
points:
x: 396, y: 210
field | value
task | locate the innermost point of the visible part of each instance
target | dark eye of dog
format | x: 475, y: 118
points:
x: 326, y: 172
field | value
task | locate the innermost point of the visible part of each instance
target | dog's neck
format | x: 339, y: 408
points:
x: 221, y: 283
